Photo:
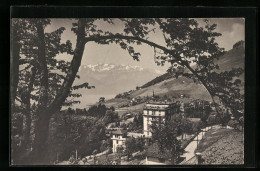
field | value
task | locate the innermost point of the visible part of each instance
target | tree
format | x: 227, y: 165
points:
x: 186, y: 127
x: 110, y: 117
x: 140, y: 120
x: 95, y: 157
x: 130, y: 147
x: 35, y: 49
x: 186, y: 44
x: 166, y: 137
x: 135, y: 121
x: 119, y: 151
x: 70, y: 111
x: 101, y: 99
x: 140, y: 143
x: 124, y: 126
x: 97, y: 111
x: 203, y: 53
x: 112, y: 108
x: 105, y: 145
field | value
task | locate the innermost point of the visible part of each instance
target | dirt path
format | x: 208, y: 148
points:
x: 189, y: 150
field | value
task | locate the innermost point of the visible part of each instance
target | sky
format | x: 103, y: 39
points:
x: 232, y: 30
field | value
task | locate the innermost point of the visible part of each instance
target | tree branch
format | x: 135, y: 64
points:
x: 75, y: 63
x: 97, y: 38
x: 14, y: 79
x: 43, y: 67
x: 29, y: 61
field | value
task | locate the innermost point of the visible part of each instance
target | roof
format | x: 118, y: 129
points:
x: 194, y: 119
x: 154, y: 151
x: 134, y: 134
x: 160, y: 102
x: 119, y: 132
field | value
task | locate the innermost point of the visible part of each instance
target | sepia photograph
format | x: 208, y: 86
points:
x: 127, y: 91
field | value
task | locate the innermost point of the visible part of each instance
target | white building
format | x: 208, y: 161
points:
x: 119, y: 138
x: 158, y: 111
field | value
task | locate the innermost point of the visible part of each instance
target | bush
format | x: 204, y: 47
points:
x: 233, y: 123
x: 241, y: 121
x: 196, y: 126
x: 224, y: 119
x: 109, y: 150
x: 212, y: 119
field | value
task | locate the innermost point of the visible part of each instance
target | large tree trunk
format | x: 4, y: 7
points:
x: 15, y: 55
x: 40, y: 148
x: 43, y: 116
x: 28, y: 112
x: 39, y: 154
x: 27, y: 130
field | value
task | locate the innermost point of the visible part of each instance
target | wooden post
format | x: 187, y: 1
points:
x: 76, y: 154
x: 198, y: 140
x: 57, y: 157
x: 198, y: 156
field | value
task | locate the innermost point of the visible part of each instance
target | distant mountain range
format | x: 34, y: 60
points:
x: 110, y: 80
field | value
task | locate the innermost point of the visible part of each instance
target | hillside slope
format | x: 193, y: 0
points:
x: 223, y: 146
x: 165, y: 84
x: 175, y: 87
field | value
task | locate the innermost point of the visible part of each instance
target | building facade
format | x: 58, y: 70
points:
x: 158, y: 111
x: 118, y: 138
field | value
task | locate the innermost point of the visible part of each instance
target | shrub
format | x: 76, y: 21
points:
x: 241, y: 121
x: 233, y: 123
x: 196, y: 126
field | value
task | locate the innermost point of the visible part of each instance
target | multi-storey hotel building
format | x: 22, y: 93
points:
x: 158, y: 111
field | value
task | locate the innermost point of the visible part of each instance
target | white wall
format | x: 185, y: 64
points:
x: 121, y: 141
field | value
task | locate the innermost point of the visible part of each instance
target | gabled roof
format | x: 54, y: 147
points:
x: 119, y: 132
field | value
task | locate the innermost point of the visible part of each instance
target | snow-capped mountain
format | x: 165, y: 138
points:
x: 111, y: 80
x: 110, y: 67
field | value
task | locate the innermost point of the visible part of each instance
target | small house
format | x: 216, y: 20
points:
x: 118, y: 138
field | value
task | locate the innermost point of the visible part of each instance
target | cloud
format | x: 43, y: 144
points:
x: 229, y: 38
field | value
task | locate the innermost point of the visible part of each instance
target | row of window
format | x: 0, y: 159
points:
x: 117, y: 136
x: 164, y: 112
x: 153, y: 112
x: 118, y: 142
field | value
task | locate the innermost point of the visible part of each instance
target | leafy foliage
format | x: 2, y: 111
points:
x: 97, y: 111
x: 136, y: 125
x: 166, y: 137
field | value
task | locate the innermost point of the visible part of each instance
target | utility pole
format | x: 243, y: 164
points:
x: 198, y: 140
x: 76, y: 154
x: 57, y: 157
